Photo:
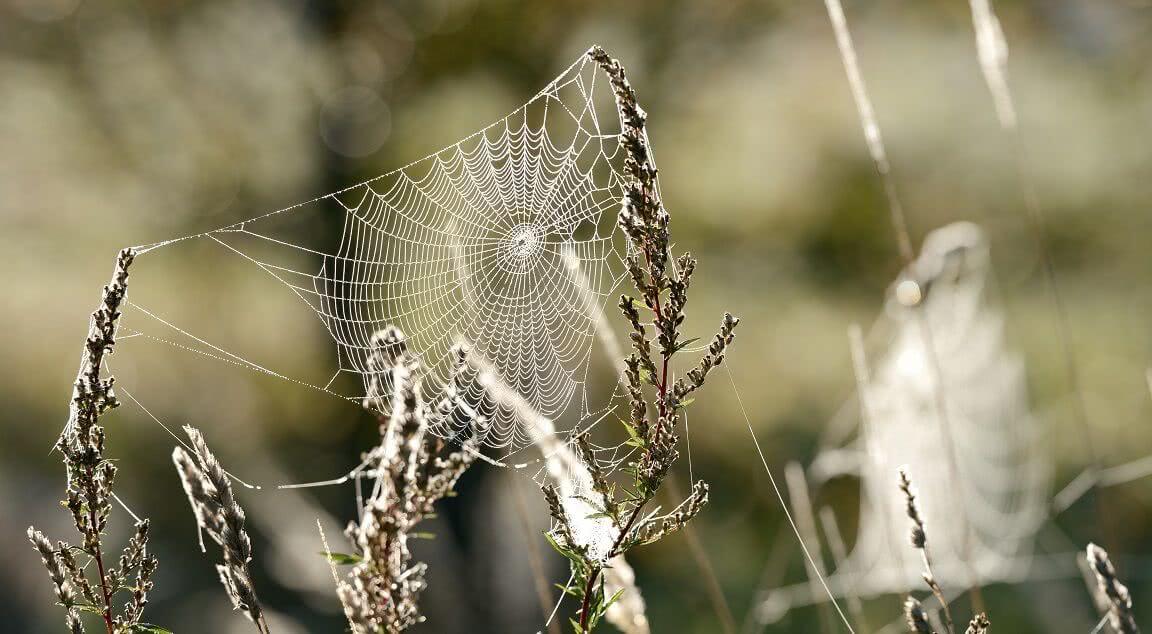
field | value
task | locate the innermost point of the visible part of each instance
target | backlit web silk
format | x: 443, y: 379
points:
x: 1000, y: 493
x: 504, y: 240
x: 981, y: 519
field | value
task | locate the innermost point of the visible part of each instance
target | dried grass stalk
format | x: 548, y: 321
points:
x: 413, y: 471
x: 573, y: 481
x: 81, y: 586
x: 218, y: 513
x: 1119, y: 601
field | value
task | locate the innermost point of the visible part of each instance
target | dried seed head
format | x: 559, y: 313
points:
x: 1119, y: 600
x: 979, y: 624
x: 217, y: 512
x: 919, y: 537
x: 657, y: 528
x: 915, y: 616
x: 382, y: 591
x: 56, y: 569
x: 90, y: 480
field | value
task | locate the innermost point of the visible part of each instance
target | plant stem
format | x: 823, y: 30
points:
x: 107, y: 612
x: 104, y: 590
x: 934, y: 586
x: 662, y: 388
x: 586, y: 603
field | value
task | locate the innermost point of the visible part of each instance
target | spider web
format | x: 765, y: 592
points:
x: 504, y: 240
x: 981, y: 521
x: 999, y: 495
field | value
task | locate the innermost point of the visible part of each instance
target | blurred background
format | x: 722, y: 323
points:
x: 132, y: 122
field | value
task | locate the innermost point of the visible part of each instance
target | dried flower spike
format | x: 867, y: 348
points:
x: 919, y: 539
x: 1119, y: 601
x: 52, y: 561
x: 978, y: 625
x: 381, y: 593
x: 82, y: 579
x: 915, y: 616
x: 218, y: 513
x: 655, y: 317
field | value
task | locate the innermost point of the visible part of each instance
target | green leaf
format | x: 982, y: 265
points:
x: 570, y: 591
x: 555, y: 544
x: 422, y: 535
x: 565, y: 552
x: 614, y: 599
x: 150, y: 628
x: 630, y: 428
x: 342, y: 559
x: 685, y: 403
x: 680, y: 346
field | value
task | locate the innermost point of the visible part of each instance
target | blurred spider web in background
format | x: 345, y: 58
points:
x: 970, y: 391
x: 1000, y: 493
x: 504, y: 240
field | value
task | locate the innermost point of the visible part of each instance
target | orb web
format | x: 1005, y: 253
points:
x: 1001, y: 495
x: 504, y: 241
x: 1004, y: 472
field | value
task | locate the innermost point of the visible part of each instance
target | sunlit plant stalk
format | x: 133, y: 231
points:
x: 914, y: 614
x: 413, y: 470
x: 89, y: 491
x: 217, y: 512
x: 663, y: 293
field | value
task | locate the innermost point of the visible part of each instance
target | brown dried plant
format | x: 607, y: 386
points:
x: 1118, y: 600
x: 218, y: 513
x: 83, y: 580
x: 913, y: 612
x: 662, y: 286
x: 413, y: 470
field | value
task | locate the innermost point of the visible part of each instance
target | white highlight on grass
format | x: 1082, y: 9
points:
x: 574, y: 483
x: 992, y: 50
x: 856, y: 84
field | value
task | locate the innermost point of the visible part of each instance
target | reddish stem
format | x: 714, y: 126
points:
x: 661, y: 387
x: 104, y: 590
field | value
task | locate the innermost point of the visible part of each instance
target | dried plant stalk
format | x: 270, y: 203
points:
x: 843, y: 565
x: 1118, y: 600
x: 218, y: 513
x: 916, y: 617
x: 662, y: 285
x: 978, y: 625
x: 381, y: 592
x: 574, y: 483
x: 919, y: 539
x: 89, y: 491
